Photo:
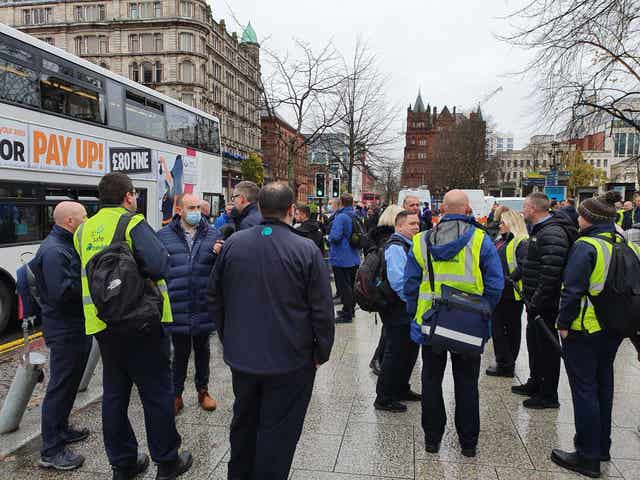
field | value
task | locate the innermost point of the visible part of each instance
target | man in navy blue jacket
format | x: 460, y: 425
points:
x: 343, y: 257
x: 270, y: 297
x: 193, y: 246
x: 245, y: 212
x: 56, y: 268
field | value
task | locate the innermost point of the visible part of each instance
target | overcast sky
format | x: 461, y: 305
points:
x: 446, y: 48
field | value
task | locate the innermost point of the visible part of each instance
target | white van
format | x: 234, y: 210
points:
x: 478, y: 204
x: 513, y: 203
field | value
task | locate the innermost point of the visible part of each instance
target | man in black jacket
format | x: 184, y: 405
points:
x: 245, y: 213
x: 551, y: 237
x: 309, y: 228
x: 270, y: 297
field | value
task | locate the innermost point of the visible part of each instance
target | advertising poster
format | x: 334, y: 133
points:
x: 130, y: 160
x: 177, y: 175
x: 64, y: 151
x: 14, y: 144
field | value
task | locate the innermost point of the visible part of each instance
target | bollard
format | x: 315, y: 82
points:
x: 92, y: 362
x: 28, y: 374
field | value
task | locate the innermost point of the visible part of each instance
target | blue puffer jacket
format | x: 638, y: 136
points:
x: 189, y: 276
x: 341, y: 253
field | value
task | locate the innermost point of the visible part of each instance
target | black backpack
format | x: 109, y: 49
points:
x: 618, y: 305
x: 372, y: 291
x: 358, y: 238
x: 126, y: 301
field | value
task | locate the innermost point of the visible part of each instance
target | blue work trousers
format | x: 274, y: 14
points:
x: 589, y: 363
x: 182, y: 345
x: 142, y: 360
x: 68, y: 356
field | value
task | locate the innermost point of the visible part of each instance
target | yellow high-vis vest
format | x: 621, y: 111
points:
x: 587, y: 320
x: 512, y: 262
x: 461, y: 272
x: 619, y: 217
x: 92, y: 237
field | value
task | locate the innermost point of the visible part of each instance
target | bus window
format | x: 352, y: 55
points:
x: 64, y: 97
x: 19, y: 84
x: 19, y: 223
x: 115, y: 110
x: 144, y: 116
x: 181, y: 126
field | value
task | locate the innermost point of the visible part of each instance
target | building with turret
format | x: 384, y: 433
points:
x: 175, y: 47
x: 442, y: 148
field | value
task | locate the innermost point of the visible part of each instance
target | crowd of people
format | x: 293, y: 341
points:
x: 151, y: 298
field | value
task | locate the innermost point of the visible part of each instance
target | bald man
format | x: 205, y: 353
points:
x: 451, y: 244
x: 56, y: 267
x: 193, y: 247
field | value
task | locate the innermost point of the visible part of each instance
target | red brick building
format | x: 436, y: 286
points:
x: 442, y: 150
x: 277, y: 135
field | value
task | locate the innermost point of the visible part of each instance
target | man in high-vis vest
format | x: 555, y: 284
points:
x: 132, y: 359
x: 589, y: 350
x: 463, y: 257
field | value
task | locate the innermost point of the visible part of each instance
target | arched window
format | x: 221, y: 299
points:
x: 134, y: 73
x: 186, y: 72
x: 146, y: 70
x: 186, y: 42
x: 158, y: 69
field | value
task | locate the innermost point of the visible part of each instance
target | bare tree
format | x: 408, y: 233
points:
x: 586, y: 60
x: 300, y: 91
x: 365, y: 116
x: 388, y: 174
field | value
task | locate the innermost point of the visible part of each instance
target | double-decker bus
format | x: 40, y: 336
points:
x: 64, y: 123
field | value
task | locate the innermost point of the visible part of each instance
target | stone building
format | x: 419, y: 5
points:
x: 174, y: 46
x: 277, y: 136
x: 443, y: 150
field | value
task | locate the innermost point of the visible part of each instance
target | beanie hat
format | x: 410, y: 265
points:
x: 600, y: 209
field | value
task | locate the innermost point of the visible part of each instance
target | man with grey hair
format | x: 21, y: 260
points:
x: 551, y: 237
x: 411, y: 203
x: 245, y: 213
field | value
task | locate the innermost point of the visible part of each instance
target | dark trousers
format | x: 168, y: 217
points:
x: 400, y: 355
x: 268, y: 415
x: 466, y: 370
x: 345, y: 278
x: 507, y: 332
x: 67, y: 359
x: 546, y: 358
x: 530, y: 332
x: 145, y: 362
x: 589, y: 363
x: 182, y: 345
x: 379, y: 352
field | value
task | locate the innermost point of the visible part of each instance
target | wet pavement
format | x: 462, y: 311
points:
x: 344, y: 438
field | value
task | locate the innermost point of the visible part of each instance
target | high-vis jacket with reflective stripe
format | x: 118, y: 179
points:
x: 92, y: 237
x: 512, y: 263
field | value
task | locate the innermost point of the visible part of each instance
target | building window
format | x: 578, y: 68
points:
x: 159, y: 44
x: 186, y: 9
x: 91, y: 45
x: 158, y: 69
x: 203, y: 74
x: 606, y: 163
x: 187, y: 99
x: 134, y: 73
x: 186, y: 72
x: 620, y: 144
x: 145, y: 10
x: 186, y: 42
x: 203, y: 45
x: 217, y: 71
x: 134, y: 43
x: 89, y: 13
x: 147, y: 42
x: 146, y: 71
x: 48, y: 40
x: 36, y: 16
x: 157, y: 9
x: 598, y: 163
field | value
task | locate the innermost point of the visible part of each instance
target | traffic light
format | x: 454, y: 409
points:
x: 335, y: 188
x: 320, y: 185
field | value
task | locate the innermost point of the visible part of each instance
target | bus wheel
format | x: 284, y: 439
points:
x: 6, y: 306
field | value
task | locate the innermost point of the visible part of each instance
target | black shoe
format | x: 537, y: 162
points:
x: 576, y: 463
x: 410, y: 396
x: 65, y: 460
x: 171, y: 470
x: 431, y: 447
x: 604, y: 457
x: 73, y: 436
x: 528, y: 389
x: 539, y: 403
x: 395, y: 407
x: 469, y: 452
x: 495, y: 371
x: 375, y: 366
x: 127, y: 473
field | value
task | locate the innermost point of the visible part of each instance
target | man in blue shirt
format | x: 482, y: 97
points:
x: 343, y: 257
x: 400, y: 352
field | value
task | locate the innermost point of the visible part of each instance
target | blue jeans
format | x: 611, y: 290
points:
x: 67, y: 358
x: 589, y: 363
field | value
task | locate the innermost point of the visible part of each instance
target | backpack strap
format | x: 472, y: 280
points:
x: 121, y: 228
x: 399, y: 242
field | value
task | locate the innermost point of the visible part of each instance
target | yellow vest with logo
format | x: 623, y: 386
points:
x: 512, y: 262
x: 587, y: 319
x: 92, y: 237
x: 461, y: 272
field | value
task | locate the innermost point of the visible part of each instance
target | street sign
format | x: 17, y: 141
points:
x: 552, y: 178
x: 557, y: 193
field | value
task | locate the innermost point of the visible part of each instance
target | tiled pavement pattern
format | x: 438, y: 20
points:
x: 346, y: 439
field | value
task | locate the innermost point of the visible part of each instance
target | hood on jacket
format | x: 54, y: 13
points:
x: 380, y: 234
x: 597, y: 229
x: 560, y: 219
x: 450, y: 236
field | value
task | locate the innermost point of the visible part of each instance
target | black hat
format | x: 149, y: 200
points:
x: 600, y: 209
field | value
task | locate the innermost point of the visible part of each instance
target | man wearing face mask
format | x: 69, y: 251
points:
x: 193, y: 246
x: 56, y: 268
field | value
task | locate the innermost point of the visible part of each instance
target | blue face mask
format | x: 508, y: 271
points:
x: 193, y: 218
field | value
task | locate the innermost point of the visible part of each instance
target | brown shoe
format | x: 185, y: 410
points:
x: 178, y: 405
x: 206, y: 401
